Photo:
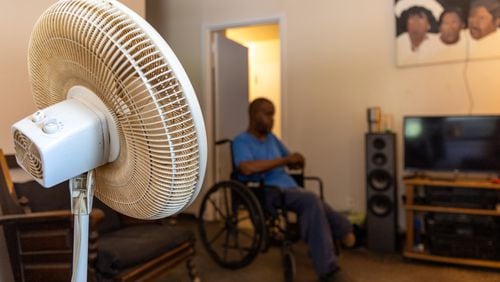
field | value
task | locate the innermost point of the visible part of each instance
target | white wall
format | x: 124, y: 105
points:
x: 338, y: 59
x: 16, y: 21
x: 264, y: 76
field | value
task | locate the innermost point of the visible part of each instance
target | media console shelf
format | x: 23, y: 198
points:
x: 411, y: 208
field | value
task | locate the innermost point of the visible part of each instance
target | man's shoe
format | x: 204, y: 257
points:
x: 349, y: 240
x: 336, y: 276
x: 330, y: 276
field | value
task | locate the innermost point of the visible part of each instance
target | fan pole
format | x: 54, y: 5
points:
x: 81, y: 193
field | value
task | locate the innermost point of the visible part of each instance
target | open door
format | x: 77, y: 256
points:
x: 231, y: 97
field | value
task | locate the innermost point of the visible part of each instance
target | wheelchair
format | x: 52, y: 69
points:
x: 236, y: 224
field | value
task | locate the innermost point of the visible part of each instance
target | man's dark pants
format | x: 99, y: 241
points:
x: 319, y: 223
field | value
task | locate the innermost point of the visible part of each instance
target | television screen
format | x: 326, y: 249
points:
x: 452, y: 143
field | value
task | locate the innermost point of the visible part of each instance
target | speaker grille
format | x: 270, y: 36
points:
x: 379, y: 143
x: 379, y: 179
x: 379, y: 159
x: 27, y: 154
x: 380, y: 205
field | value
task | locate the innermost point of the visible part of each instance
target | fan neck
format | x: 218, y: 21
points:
x: 91, y: 100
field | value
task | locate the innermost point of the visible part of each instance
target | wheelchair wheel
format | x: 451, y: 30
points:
x: 231, y: 224
x: 289, y: 267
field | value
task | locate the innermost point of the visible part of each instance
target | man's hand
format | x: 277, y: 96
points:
x: 295, y: 161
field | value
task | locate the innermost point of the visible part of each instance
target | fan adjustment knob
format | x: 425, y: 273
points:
x: 51, y: 126
x: 38, y: 116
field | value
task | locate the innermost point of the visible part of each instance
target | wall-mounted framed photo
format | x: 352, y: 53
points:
x: 443, y: 31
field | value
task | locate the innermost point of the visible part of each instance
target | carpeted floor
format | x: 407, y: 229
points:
x: 357, y: 265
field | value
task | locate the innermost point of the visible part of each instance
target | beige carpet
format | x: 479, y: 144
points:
x: 359, y: 265
x: 363, y: 265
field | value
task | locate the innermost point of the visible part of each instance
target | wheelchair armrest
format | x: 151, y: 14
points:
x: 320, y: 184
x: 222, y: 141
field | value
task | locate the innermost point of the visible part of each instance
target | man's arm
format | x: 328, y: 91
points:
x: 258, y: 166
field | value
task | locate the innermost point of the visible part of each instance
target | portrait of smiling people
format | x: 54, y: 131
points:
x: 446, y: 31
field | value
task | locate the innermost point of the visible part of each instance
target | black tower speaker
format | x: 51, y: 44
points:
x: 381, y: 192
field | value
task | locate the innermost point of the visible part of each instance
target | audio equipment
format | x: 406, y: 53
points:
x: 381, y: 191
x: 463, y: 235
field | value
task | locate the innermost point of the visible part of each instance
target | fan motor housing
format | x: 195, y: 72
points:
x: 60, y: 142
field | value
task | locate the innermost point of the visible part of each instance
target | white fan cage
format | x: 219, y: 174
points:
x: 103, y: 46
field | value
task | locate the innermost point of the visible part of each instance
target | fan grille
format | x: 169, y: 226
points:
x: 28, y: 155
x: 96, y: 45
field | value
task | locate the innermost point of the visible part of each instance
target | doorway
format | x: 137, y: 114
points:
x: 245, y: 64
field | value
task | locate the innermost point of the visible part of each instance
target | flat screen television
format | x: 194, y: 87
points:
x: 452, y: 143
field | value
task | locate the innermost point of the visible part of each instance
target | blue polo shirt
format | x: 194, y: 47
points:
x: 247, y: 147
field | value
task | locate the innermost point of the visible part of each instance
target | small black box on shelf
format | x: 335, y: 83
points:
x: 458, y: 197
x: 463, y: 235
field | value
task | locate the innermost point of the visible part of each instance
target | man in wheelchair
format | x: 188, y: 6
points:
x: 259, y: 156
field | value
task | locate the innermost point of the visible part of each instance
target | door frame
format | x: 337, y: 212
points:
x: 208, y: 87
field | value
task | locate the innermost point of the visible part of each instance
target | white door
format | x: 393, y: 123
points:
x: 231, y: 98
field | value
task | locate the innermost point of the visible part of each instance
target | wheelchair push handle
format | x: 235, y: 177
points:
x: 223, y: 141
x: 320, y: 184
x: 300, y: 178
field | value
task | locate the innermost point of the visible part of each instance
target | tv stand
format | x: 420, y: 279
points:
x: 453, y: 176
x: 421, y: 251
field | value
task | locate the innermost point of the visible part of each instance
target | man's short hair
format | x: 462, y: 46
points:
x: 255, y: 105
x: 493, y: 6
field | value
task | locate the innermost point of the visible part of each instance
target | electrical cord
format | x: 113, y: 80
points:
x: 468, y: 91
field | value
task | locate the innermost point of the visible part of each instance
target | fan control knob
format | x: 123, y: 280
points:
x: 38, y: 116
x: 50, y: 127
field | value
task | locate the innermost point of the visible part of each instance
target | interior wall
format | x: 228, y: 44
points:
x: 341, y: 60
x: 17, y: 18
x: 338, y: 59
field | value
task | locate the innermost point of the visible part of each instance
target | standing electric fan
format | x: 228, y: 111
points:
x: 118, y: 116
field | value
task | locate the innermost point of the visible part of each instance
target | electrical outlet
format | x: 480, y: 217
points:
x: 350, y: 203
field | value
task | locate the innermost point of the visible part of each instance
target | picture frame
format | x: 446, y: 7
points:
x: 446, y: 31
